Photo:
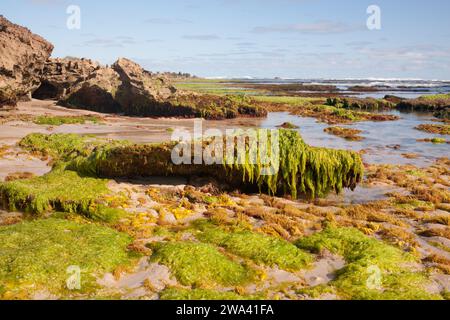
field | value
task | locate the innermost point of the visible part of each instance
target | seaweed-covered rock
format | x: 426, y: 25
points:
x: 302, y: 170
x: 22, y: 58
x: 439, y: 104
x: 367, y: 104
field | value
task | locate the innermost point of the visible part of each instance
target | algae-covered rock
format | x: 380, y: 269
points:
x: 368, y: 104
x: 301, y: 169
x: 439, y: 104
x: 298, y: 170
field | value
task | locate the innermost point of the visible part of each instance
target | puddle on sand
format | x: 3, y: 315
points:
x: 324, y: 269
x: 362, y: 194
x: 134, y: 285
x: 17, y: 161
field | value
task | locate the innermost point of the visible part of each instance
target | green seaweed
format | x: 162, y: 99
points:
x: 364, y: 256
x: 61, y: 120
x: 200, y: 265
x: 60, y: 190
x: 66, y: 147
x: 202, y: 294
x: 260, y: 248
x: 303, y: 169
x: 35, y: 255
x: 55, y: 145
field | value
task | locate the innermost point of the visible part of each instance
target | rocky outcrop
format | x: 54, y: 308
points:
x: 439, y: 104
x: 143, y: 82
x: 96, y: 93
x: 61, y: 75
x: 127, y: 88
x: 22, y: 58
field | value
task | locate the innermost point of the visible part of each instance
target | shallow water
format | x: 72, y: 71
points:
x: 380, y: 137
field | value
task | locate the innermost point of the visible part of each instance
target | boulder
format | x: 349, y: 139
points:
x: 22, y: 58
x: 141, y: 93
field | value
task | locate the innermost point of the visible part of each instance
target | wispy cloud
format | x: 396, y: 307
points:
x: 154, y: 40
x: 47, y: 2
x: 203, y: 37
x: 167, y: 21
x: 117, y: 42
x: 246, y: 44
x: 319, y: 27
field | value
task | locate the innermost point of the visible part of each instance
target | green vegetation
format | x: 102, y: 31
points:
x: 55, y: 145
x: 201, y: 294
x: 200, y: 265
x: 66, y: 147
x: 216, y: 107
x: 35, y: 255
x: 294, y: 101
x: 368, y: 104
x: 62, y: 189
x: 210, y: 87
x: 305, y: 170
x: 260, y: 248
x: 364, y: 257
x: 61, y: 120
x: 59, y: 190
x: 346, y: 133
x: 436, y: 97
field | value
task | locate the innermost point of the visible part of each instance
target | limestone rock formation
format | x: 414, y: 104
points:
x: 96, y: 93
x: 139, y: 88
x: 61, y: 75
x: 22, y: 58
x: 123, y: 88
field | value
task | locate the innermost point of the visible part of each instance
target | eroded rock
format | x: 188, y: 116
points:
x: 22, y: 58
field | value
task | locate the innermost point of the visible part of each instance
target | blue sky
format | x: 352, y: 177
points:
x: 259, y: 38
